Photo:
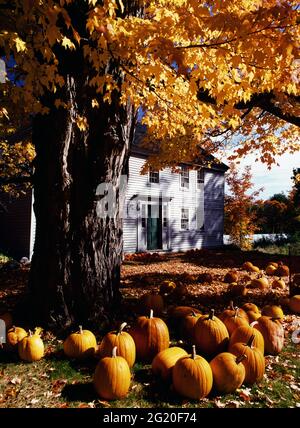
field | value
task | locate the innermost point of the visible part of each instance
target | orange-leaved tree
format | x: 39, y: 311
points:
x: 196, y: 69
x: 240, y: 217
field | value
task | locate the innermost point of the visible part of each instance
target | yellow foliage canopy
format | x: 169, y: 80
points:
x: 193, y: 66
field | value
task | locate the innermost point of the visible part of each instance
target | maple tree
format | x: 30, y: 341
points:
x: 199, y: 71
x: 240, y: 219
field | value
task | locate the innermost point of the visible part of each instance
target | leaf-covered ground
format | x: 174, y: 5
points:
x: 58, y: 382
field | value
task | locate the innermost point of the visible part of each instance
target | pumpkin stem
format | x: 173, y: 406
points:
x: 193, y: 314
x: 30, y: 333
x: 151, y: 313
x: 250, y: 341
x: 194, y: 354
x: 231, y: 305
x: 241, y: 358
x: 121, y: 328
x: 236, y: 312
x: 80, y: 329
x: 114, y: 352
x: 211, y: 314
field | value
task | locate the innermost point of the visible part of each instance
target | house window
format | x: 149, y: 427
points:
x: 184, y: 178
x: 153, y: 176
x: 200, y: 178
x: 185, y: 218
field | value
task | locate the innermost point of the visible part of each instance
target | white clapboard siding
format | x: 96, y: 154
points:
x: 211, y: 199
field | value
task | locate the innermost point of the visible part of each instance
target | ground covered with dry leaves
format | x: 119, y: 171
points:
x: 56, y: 381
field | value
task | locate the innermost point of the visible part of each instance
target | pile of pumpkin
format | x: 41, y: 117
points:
x: 230, y: 349
x: 240, y: 284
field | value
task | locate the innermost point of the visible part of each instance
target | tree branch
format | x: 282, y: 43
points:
x: 263, y: 101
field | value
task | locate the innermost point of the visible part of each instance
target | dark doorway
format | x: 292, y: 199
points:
x: 154, y: 227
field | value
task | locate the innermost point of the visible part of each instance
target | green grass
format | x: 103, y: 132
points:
x: 280, y: 249
x: 58, y: 382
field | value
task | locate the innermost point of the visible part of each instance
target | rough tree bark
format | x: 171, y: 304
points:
x: 77, y: 255
x: 75, y: 267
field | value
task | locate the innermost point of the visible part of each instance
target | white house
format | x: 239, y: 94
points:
x: 163, y: 211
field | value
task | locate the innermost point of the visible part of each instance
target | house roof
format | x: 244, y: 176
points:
x: 138, y: 150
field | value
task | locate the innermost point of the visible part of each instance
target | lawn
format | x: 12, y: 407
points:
x: 56, y: 381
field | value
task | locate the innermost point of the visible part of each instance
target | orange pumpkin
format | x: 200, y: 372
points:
x: 278, y: 284
x: 124, y: 343
x: 167, y: 287
x: 243, y: 334
x: 231, y: 311
x: 247, y: 266
x: 164, y: 361
x: 152, y: 301
x: 230, y: 277
x: 270, y: 269
x: 282, y: 270
x: 80, y: 345
x: 192, y: 376
x: 272, y: 332
x: 250, y: 267
x: 179, y: 312
x: 294, y: 304
x: 253, y: 316
x: 234, y: 321
x: 250, y: 307
x: 151, y: 335
x: 262, y: 283
x: 31, y: 347
x: 211, y: 335
x: 112, y: 377
x: 254, y: 363
x: 228, y: 372
x: 14, y: 336
x: 273, y: 311
x: 188, y: 326
x: 236, y: 290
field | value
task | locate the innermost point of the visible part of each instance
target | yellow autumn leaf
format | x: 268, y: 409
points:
x: 95, y: 103
x: 67, y: 43
x: 20, y: 44
x: 81, y: 122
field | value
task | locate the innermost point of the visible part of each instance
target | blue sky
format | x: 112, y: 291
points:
x: 276, y: 180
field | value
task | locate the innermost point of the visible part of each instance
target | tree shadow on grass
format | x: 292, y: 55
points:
x: 83, y: 392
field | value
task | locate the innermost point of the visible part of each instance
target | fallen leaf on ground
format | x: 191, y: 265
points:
x: 245, y: 394
x: 15, y: 380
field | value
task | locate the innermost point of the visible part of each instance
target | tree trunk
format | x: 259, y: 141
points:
x: 77, y: 254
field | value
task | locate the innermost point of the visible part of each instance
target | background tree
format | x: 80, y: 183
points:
x: 240, y: 218
x: 295, y: 194
x: 85, y: 68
